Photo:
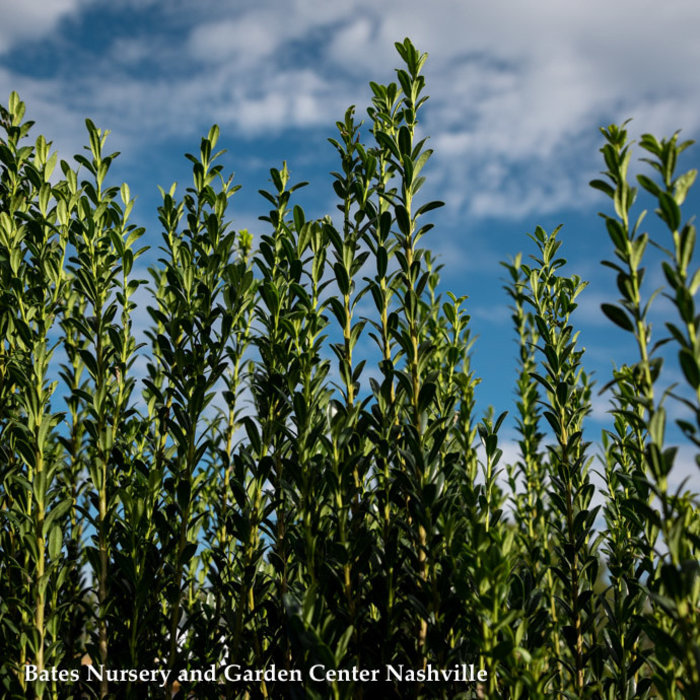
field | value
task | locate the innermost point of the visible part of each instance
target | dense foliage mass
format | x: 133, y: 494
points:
x: 245, y: 489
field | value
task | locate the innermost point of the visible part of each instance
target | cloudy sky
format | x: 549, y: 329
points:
x: 517, y: 92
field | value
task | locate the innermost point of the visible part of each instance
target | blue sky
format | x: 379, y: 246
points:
x: 518, y: 90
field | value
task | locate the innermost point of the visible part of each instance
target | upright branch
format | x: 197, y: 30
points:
x: 565, y: 403
x: 529, y: 505
x: 274, y: 377
x: 191, y: 349
x: 408, y: 158
x: 103, y: 242
x: 33, y: 283
x: 631, y: 539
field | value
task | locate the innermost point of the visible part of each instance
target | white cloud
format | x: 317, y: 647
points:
x: 516, y: 96
x: 32, y: 19
x: 289, y: 99
x: 130, y: 50
x: 245, y: 40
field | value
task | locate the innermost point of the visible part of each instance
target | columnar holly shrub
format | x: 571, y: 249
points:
x: 269, y: 492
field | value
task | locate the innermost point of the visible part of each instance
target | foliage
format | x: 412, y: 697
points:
x: 255, y: 492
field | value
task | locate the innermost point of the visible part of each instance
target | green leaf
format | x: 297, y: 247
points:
x: 689, y: 365
x: 55, y: 542
x: 669, y: 211
x: 617, y: 316
x: 299, y: 218
x: 649, y: 185
x: 429, y: 206
x: 682, y: 185
x: 426, y: 395
x: 403, y: 220
x: 603, y: 186
x: 386, y: 142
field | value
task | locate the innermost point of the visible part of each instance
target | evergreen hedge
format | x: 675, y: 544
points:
x: 264, y: 496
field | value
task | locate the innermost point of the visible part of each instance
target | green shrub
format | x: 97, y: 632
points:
x: 264, y: 496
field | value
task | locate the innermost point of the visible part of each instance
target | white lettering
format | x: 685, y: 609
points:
x: 236, y: 676
x: 61, y: 675
x: 164, y: 676
x: 313, y: 671
x: 93, y: 673
x: 393, y: 674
